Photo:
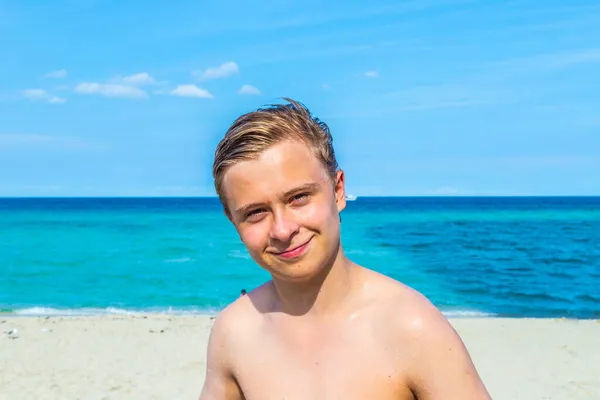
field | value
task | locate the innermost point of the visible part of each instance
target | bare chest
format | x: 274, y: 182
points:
x: 325, y: 364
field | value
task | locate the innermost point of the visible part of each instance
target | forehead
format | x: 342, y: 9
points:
x: 278, y: 169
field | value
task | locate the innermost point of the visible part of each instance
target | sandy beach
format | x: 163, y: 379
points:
x: 163, y: 357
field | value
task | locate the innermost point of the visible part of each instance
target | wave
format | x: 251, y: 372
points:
x: 92, y: 311
x: 460, y: 313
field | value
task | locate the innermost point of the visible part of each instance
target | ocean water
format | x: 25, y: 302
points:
x: 518, y: 257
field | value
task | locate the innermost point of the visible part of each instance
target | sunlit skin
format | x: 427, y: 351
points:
x: 323, y: 327
x: 286, y: 201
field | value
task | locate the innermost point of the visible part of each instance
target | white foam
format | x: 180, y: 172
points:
x: 466, y: 314
x: 48, y: 311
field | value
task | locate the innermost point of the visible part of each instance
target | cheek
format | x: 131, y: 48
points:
x: 254, y: 237
x: 315, y: 214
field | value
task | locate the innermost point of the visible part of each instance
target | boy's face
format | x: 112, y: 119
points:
x: 286, y: 210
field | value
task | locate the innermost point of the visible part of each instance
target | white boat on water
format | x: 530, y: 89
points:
x: 351, y: 197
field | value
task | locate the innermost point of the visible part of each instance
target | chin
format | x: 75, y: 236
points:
x: 296, y: 272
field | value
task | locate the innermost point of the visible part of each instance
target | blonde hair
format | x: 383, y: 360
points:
x: 254, y: 132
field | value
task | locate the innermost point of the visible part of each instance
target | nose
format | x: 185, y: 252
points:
x: 284, y: 227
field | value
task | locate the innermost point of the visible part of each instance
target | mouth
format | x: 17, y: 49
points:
x: 295, y: 252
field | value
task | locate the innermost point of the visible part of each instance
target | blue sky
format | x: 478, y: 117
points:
x: 429, y: 97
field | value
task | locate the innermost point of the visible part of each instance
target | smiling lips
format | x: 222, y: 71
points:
x: 295, y: 252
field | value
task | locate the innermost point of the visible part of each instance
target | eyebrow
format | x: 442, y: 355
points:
x: 307, y: 187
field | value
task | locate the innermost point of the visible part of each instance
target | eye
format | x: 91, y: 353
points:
x: 300, y: 199
x: 254, y: 215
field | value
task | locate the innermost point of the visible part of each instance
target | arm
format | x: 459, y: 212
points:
x: 442, y: 367
x: 219, y: 384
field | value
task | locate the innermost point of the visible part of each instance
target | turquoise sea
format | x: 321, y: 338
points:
x: 472, y: 256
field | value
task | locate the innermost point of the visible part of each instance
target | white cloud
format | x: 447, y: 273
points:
x: 142, y: 78
x: 56, y: 100
x: 191, y: 91
x: 249, y: 89
x: 371, y: 74
x: 58, y: 74
x: 42, y: 95
x: 121, y: 86
x: 36, y: 94
x: 110, y: 90
x: 223, y: 71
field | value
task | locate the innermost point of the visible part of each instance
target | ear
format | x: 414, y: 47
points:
x: 340, y: 190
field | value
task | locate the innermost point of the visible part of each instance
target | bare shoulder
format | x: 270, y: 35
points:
x: 239, y: 318
x: 410, y: 313
x: 229, y: 336
x: 436, y: 361
x: 413, y: 314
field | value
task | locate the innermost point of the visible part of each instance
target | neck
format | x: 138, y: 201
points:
x: 320, y: 296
